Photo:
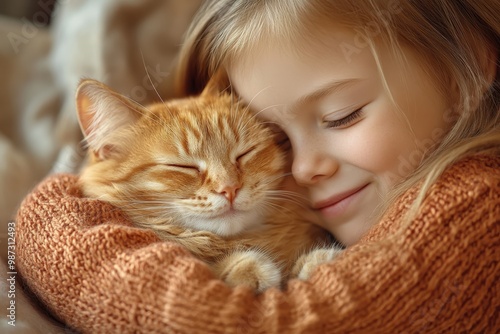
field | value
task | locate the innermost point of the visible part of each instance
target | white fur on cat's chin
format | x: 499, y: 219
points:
x: 226, y: 224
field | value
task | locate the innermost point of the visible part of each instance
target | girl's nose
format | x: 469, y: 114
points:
x: 311, y: 166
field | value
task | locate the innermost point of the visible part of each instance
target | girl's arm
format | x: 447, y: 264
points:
x: 438, y: 275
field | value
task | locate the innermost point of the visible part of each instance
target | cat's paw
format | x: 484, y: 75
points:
x: 251, y: 268
x: 308, y: 262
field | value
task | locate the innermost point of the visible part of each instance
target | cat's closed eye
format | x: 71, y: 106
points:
x: 240, y: 158
x: 184, y: 168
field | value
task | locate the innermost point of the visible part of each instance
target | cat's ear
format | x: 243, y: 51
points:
x: 219, y: 82
x: 101, y: 113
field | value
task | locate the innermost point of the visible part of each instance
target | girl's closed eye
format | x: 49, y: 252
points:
x: 346, y: 121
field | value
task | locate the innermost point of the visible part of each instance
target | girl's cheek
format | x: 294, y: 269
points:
x: 380, y: 141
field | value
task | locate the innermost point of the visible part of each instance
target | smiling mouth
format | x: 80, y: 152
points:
x: 337, y: 199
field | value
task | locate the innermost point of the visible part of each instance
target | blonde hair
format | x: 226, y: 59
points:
x: 452, y: 38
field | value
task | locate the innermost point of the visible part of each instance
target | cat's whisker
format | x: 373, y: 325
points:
x: 256, y: 114
x: 276, y: 207
x: 142, y: 108
x: 270, y: 181
x: 133, y: 203
x: 162, y: 201
x: 282, y: 175
x: 267, y: 108
x: 287, y: 193
x: 143, y: 208
x: 257, y: 94
x: 149, y: 205
x: 244, y: 126
x: 278, y: 195
x: 149, y: 77
x: 289, y: 201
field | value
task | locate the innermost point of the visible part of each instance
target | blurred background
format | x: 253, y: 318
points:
x: 130, y: 45
x: 46, y: 48
x: 28, y: 9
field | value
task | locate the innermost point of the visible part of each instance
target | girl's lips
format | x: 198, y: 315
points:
x: 337, y: 204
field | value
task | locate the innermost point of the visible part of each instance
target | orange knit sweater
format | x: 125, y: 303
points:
x: 99, y: 274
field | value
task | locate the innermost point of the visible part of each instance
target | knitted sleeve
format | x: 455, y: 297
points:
x: 99, y: 274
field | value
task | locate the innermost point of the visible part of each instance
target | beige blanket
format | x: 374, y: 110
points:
x: 130, y: 45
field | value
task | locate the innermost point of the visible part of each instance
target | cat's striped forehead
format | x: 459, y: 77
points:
x: 207, y: 126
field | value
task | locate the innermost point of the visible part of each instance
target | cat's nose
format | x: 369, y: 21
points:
x: 229, y: 191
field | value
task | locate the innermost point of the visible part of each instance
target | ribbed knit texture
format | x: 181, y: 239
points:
x: 99, y: 274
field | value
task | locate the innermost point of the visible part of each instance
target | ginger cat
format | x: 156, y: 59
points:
x: 204, y: 172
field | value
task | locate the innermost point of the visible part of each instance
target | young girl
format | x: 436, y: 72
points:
x: 372, y: 97
x: 389, y: 110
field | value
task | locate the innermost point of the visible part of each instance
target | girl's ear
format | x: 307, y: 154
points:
x: 101, y: 114
x: 218, y: 83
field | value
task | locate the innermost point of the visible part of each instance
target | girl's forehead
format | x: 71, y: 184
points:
x: 316, y: 42
x: 282, y: 72
x: 276, y: 81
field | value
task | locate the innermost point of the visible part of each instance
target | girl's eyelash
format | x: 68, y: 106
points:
x: 346, y: 120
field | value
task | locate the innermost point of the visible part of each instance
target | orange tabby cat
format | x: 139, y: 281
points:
x: 201, y: 171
